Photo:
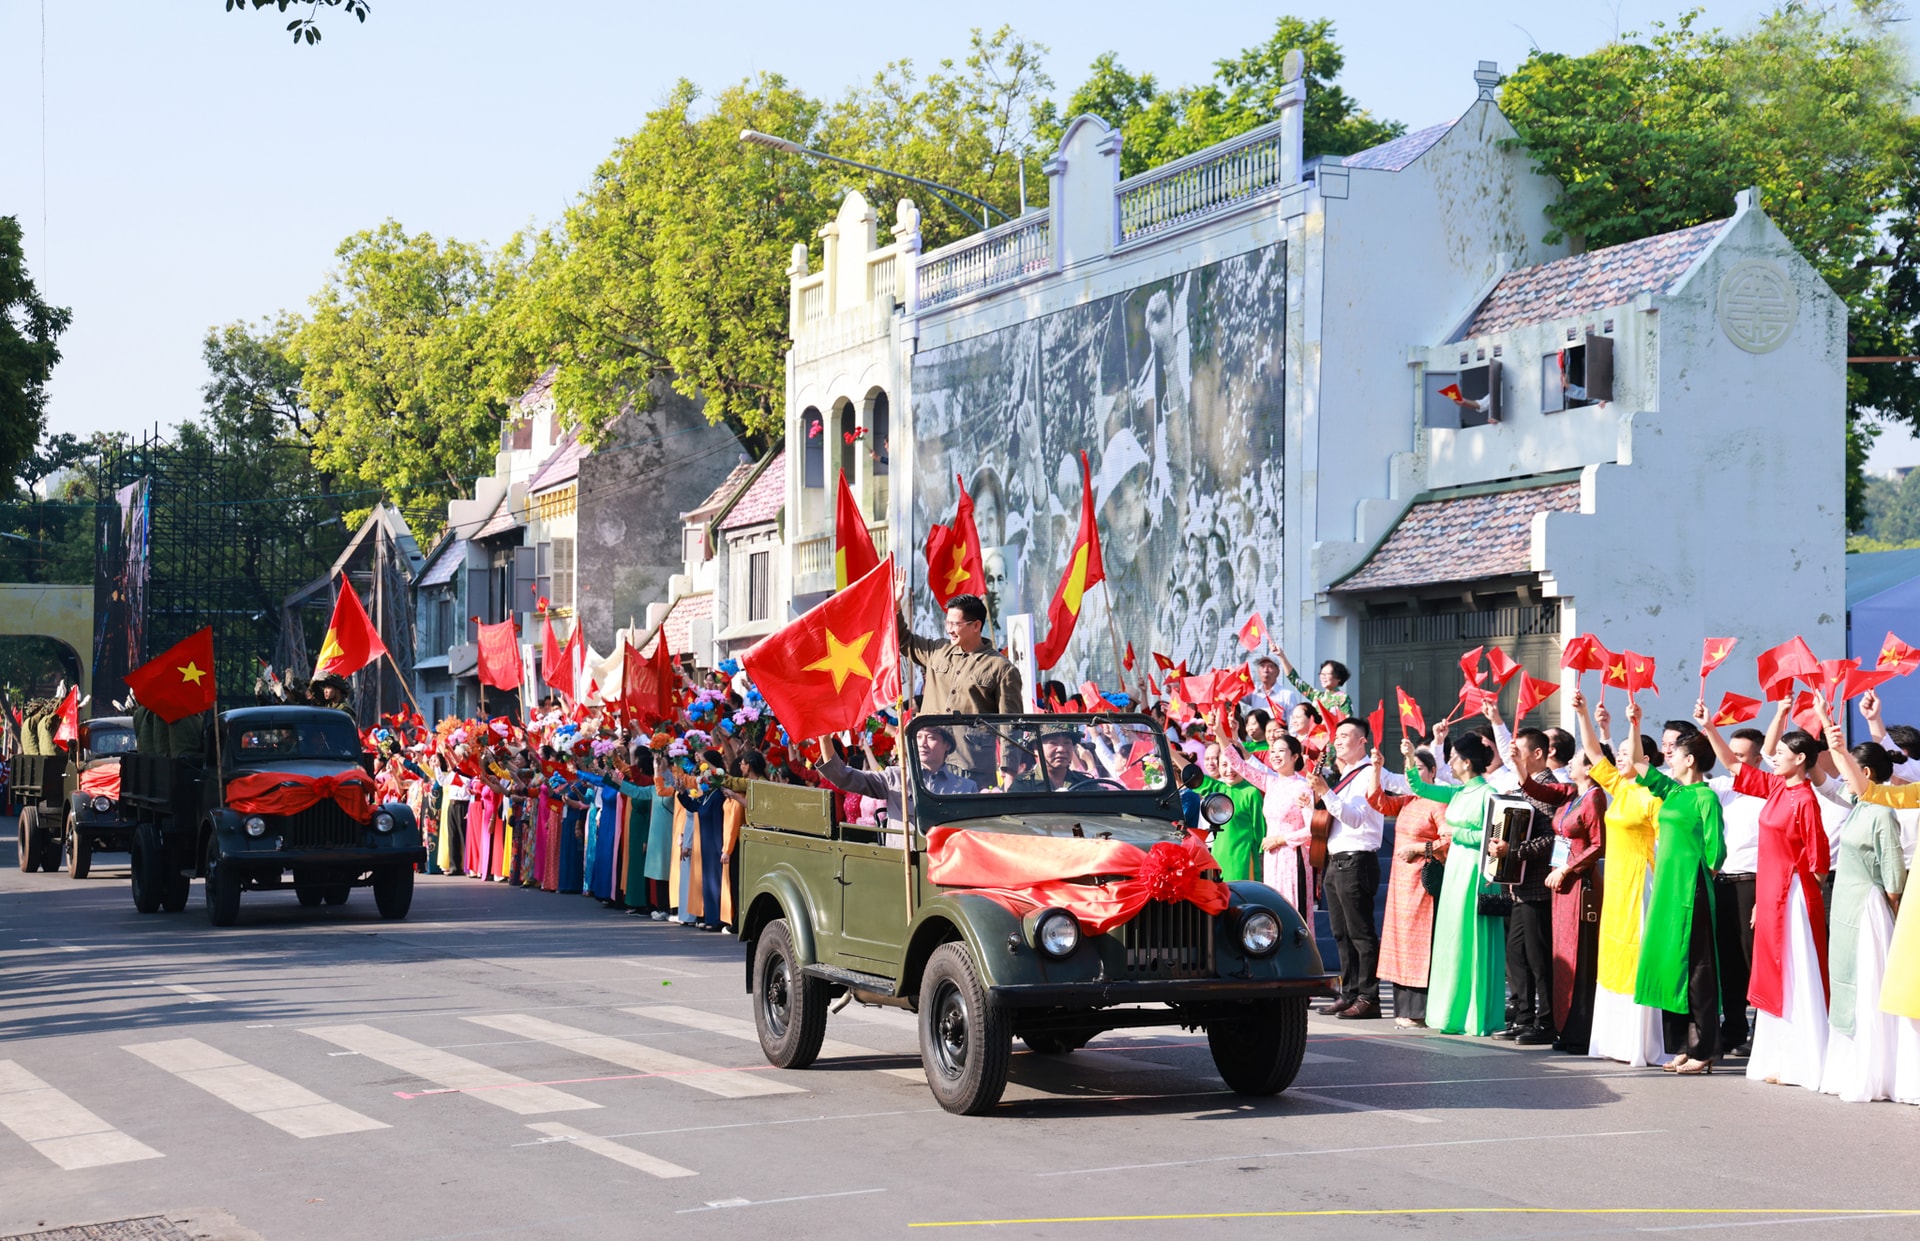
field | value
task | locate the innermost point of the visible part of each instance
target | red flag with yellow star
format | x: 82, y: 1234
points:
x: 352, y: 642
x: 1735, y: 709
x: 1084, y: 570
x: 853, y: 554
x: 1898, y: 656
x: 1412, y: 722
x: 1253, y: 634
x: 1714, y: 652
x: 835, y: 666
x: 177, y: 682
x: 953, y: 555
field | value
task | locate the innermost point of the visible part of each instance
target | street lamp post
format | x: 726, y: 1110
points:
x: 790, y: 147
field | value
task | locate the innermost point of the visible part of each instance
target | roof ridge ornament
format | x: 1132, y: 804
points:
x: 1486, y: 77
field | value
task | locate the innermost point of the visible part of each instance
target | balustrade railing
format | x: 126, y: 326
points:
x: 998, y: 256
x: 1177, y: 194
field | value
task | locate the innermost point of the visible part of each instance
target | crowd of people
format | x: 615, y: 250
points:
x: 1625, y: 897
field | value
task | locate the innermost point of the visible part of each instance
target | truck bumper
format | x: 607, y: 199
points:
x: 1169, y: 991
x: 333, y: 859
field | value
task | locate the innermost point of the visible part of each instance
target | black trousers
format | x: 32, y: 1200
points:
x: 1530, y: 962
x: 1733, y: 935
x: 1696, y: 1032
x: 457, y: 836
x: 1352, y: 883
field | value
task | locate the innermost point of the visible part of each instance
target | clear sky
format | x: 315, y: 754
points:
x: 199, y: 168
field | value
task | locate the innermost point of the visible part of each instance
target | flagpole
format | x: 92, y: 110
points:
x: 403, y: 684
x: 1113, y: 632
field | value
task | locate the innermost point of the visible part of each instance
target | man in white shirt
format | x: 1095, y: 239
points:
x: 1733, y: 892
x: 1270, y: 695
x: 1353, y: 873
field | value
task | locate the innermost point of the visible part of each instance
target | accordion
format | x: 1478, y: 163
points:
x: 1514, y: 821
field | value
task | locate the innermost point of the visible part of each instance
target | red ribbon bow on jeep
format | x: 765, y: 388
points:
x: 1023, y: 873
x: 281, y: 792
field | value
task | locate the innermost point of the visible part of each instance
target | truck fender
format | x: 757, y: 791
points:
x: 406, y: 828
x: 979, y: 922
x: 779, y: 894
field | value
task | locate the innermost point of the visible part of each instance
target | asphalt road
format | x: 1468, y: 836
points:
x: 523, y: 1065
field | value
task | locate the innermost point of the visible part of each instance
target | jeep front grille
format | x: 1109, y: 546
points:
x: 1168, y: 940
x: 323, y: 825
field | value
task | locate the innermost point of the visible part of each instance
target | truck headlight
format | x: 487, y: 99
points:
x: 256, y: 826
x: 1057, y: 933
x: 102, y: 804
x: 382, y: 822
x: 1259, y: 932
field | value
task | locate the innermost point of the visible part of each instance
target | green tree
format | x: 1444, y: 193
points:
x: 303, y: 29
x: 1158, y: 126
x: 29, y: 349
x: 1814, y: 108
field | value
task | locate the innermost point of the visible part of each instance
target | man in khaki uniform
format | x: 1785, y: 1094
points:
x: 965, y: 676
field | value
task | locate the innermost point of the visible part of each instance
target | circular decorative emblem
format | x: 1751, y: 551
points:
x: 1757, y: 306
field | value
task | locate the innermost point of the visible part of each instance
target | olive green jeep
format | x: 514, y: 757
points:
x: 835, y: 909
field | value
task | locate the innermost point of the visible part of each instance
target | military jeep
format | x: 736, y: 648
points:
x: 835, y: 909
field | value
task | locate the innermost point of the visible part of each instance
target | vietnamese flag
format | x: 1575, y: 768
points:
x: 1253, y: 634
x: 954, y: 565
x: 1833, y: 676
x: 1470, y: 666
x: 1860, y: 680
x: 1735, y: 709
x: 1235, y: 685
x: 837, y: 664
x: 1504, y: 665
x: 1533, y: 692
x: 1197, y: 691
x: 500, y: 656
x: 1714, y: 652
x: 646, y: 684
x: 853, y: 554
x: 1126, y: 661
x: 1898, y: 656
x: 1615, y: 672
x: 1162, y: 662
x: 1585, y: 654
x: 69, y: 714
x: 1474, y: 698
x: 1779, y: 666
x: 1084, y: 571
x: 1377, y: 721
x: 352, y: 642
x: 549, y: 645
x: 1095, y: 700
x: 177, y: 682
x: 1803, y: 712
x: 560, y: 673
x: 1411, y: 719
x: 1639, y: 673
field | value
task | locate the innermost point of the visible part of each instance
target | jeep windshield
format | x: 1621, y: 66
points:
x: 323, y: 736
x: 108, y: 741
x: 1059, y: 755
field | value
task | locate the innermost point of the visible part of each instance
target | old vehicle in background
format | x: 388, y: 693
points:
x: 70, y: 801
x: 280, y: 799
x: 833, y: 909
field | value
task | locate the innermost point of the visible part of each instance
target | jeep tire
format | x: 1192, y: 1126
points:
x: 1260, y: 1053
x: 222, y: 888
x: 789, y: 1006
x: 965, y: 1042
x: 393, y: 890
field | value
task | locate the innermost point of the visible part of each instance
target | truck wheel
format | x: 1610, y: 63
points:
x: 1259, y: 1054
x: 149, y: 878
x: 222, y: 890
x: 53, y: 837
x: 965, y: 1043
x: 393, y: 891
x: 789, y: 1007
x: 29, y: 837
x: 335, y: 893
x: 307, y: 895
x: 79, y: 851
x: 174, y: 890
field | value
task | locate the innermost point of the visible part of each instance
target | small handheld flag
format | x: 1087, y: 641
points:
x: 1253, y: 634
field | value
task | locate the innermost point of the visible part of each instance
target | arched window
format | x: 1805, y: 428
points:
x: 878, y: 442
x: 813, y: 452
x: 845, y: 425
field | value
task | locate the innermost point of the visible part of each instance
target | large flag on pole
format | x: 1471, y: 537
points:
x: 562, y: 673
x: 1084, y: 569
x: 68, y: 730
x: 352, y: 642
x: 954, y: 565
x: 837, y: 664
x: 177, y: 682
x: 500, y: 656
x: 646, y: 689
x: 853, y: 554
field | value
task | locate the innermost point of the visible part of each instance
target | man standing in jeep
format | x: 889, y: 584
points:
x: 965, y: 676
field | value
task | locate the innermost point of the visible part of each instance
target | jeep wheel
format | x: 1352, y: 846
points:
x: 965, y: 1043
x: 1259, y: 1054
x: 222, y: 889
x: 393, y: 891
x: 79, y: 851
x: 29, y: 837
x: 335, y: 893
x: 149, y: 877
x: 789, y: 1007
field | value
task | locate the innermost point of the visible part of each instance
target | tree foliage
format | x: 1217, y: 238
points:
x: 1158, y: 125
x: 1812, y: 106
x: 304, y: 29
x: 29, y: 349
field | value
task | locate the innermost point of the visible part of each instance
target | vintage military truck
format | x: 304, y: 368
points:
x: 1070, y: 902
x: 96, y: 819
x: 282, y: 798
x: 38, y: 785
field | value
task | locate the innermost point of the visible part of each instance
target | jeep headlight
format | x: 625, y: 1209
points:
x: 256, y: 826
x: 1217, y: 809
x: 383, y: 822
x: 1057, y: 933
x: 102, y: 804
x: 1259, y: 932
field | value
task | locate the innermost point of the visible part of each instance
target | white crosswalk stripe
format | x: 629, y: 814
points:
x: 612, y: 1150
x: 714, y: 1079
x: 59, y: 1128
x: 742, y: 1029
x: 285, y: 1105
x: 451, y: 1072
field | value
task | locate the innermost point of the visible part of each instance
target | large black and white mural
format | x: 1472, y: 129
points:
x: 1174, y: 389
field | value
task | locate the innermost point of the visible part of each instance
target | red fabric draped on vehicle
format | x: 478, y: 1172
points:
x: 1031, y: 872
x: 101, y: 781
x: 278, y: 792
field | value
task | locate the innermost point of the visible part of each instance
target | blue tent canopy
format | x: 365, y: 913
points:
x: 1883, y: 596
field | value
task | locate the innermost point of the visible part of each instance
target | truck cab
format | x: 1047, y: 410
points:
x: 280, y: 798
x: 96, y: 819
x: 1066, y: 900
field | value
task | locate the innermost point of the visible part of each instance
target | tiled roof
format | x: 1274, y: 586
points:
x: 453, y: 555
x: 501, y: 522
x: 763, y: 500
x: 721, y: 494
x: 538, y: 390
x: 563, y: 466
x: 1463, y: 539
x: 678, y: 623
x: 1592, y: 281
x: 1397, y: 154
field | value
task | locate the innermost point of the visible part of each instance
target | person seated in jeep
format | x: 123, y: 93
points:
x: 933, y: 747
x: 1055, y: 771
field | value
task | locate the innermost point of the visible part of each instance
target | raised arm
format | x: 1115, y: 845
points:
x: 1721, y: 750
x: 1849, y: 766
x: 1589, y: 735
x: 1778, y: 728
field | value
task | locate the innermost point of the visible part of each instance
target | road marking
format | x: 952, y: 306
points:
x: 287, y: 1106
x: 1354, y: 1106
x: 1434, y: 1044
x: 1352, y: 1150
x: 714, y: 1079
x: 1318, y: 1057
x: 454, y: 1074
x: 194, y: 994
x: 742, y: 1029
x: 59, y: 1128
x: 612, y: 1150
x: 1813, y: 1215
x: 764, y: 1124
x: 728, y: 1204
